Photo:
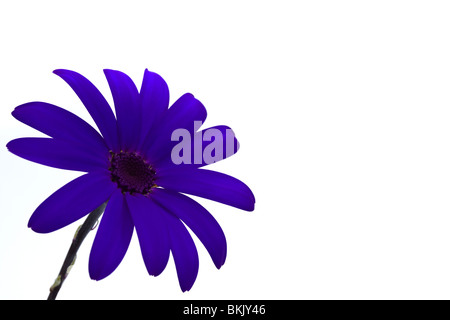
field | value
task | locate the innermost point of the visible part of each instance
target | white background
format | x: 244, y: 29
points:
x: 342, y: 109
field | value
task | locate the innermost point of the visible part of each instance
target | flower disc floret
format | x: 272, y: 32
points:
x: 132, y: 173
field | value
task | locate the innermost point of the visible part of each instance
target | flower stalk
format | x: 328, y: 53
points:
x: 71, y: 256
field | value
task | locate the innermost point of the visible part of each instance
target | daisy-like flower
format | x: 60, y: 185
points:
x: 128, y: 164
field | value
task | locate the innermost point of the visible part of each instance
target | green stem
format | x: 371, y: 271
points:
x: 78, y: 238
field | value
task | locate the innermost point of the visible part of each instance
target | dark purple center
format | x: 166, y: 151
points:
x: 131, y: 172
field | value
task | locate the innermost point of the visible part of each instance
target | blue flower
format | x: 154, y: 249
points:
x: 128, y: 163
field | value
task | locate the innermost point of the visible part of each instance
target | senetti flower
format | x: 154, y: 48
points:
x: 129, y: 164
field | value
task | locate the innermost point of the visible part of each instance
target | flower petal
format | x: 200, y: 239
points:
x: 198, y: 219
x: 126, y: 103
x: 183, y: 251
x: 72, y: 201
x: 151, y: 229
x: 219, y: 140
x: 96, y: 105
x: 154, y: 100
x: 181, y: 115
x: 112, y: 239
x: 59, y: 123
x: 208, y: 184
x: 58, y: 154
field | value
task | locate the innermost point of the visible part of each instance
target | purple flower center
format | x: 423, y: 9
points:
x: 131, y: 172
